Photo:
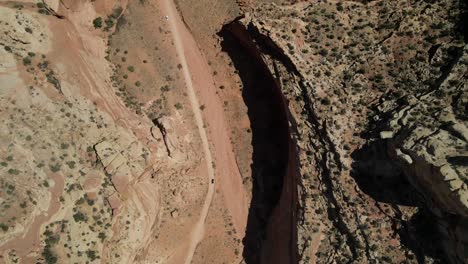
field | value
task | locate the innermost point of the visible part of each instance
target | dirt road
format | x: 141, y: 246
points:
x: 198, y: 230
x: 202, y: 91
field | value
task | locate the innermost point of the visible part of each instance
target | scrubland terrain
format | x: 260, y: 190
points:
x: 247, y: 131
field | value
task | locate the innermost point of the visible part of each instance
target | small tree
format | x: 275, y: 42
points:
x: 80, y: 217
x: 97, y: 22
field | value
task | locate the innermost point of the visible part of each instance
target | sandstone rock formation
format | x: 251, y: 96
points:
x: 340, y: 126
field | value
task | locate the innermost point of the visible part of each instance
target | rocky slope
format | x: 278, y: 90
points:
x: 430, y: 144
x: 377, y: 100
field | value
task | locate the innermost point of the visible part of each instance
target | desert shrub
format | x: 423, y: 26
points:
x: 97, y: 22
x: 3, y: 227
x: 339, y: 6
x: 13, y: 171
x: 49, y: 256
x: 71, y: 164
x: 80, y: 217
x: 43, y: 65
x: 109, y: 23
x: 323, y: 52
x: 53, y: 80
x: 55, y: 168
x: 325, y: 101
x: 453, y: 82
x: 102, y: 235
x: 91, y: 255
x: 26, y: 61
x: 165, y: 88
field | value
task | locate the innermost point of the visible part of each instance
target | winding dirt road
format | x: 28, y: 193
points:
x: 198, y: 230
x: 201, y: 88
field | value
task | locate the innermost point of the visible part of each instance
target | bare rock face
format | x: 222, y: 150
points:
x: 431, y: 132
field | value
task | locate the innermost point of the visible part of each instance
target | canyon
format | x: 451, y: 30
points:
x: 248, y: 131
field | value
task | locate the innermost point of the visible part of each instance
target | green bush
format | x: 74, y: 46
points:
x: 3, y: 227
x: 91, y: 255
x: 64, y: 146
x: 102, y: 236
x: 13, y: 171
x: 26, y: 61
x: 55, y: 168
x: 323, y: 52
x: 97, y: 22
x: 49, y: 256
x: 80, y: 217
x: 109, y: 23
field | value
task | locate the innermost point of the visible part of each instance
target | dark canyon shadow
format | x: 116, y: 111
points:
x: 270, y: 136
x: 383, y: 179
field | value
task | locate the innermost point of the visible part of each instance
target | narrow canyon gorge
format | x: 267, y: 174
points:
x: 248, y: 131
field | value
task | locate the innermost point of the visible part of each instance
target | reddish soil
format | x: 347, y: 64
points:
x: 199, y: 78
